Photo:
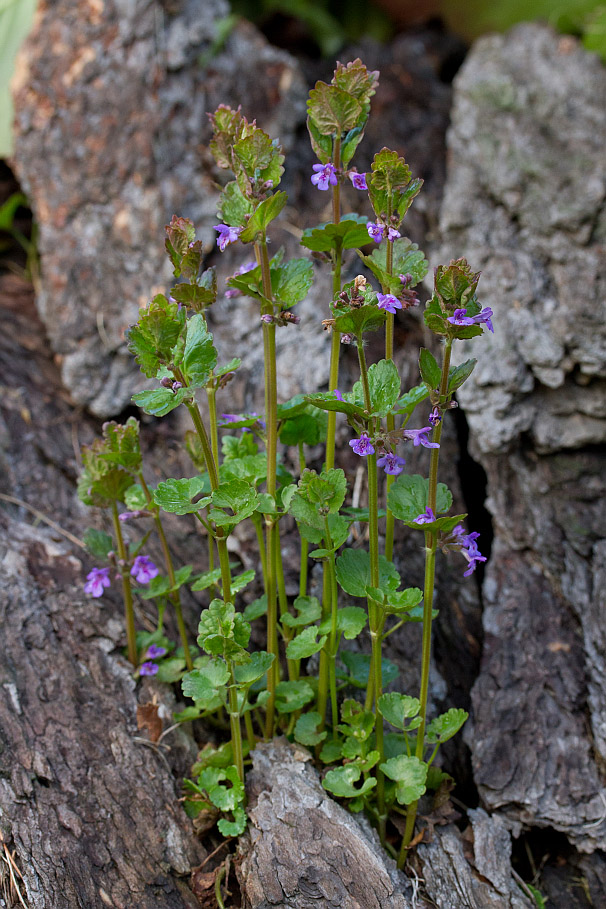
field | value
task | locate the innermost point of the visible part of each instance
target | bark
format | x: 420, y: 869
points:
x: 304, y: 850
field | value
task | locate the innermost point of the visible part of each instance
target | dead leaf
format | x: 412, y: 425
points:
x: 149, y: 720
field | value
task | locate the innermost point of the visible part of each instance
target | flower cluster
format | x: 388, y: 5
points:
x: 460, y: 318
x: 154, y: 652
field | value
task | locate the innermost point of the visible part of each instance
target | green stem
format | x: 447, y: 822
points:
x: 250, y: 732
x: 258, y: 525
x: 431, y: 540
x: 214, y: 483
x: 272, y: 531
x: 175, y: 597
x: 304, y: 543
x: 211, y: 394
x: 335, y: 347
x: 234, y: 723
x: 129, y: 615
x: 324, y: 670
x: 389, y: 338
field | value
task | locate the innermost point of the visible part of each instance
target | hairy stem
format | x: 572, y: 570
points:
x: 431, y: 540
x: 335, y: 347
x: 234, y: 723
x: 129, y: 615
x: 175, y: 597
x: 389, y: 335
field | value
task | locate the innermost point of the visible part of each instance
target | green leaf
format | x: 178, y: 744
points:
x: 160, y: 586
x: 193, y: 296
x: 202, y: 684
x: 429, y: 369
x: 242, y: 580
x: 317, y: 496
x: 206, y: 580
x: 235, y: 827
x: 170, y: 670
x: 353, y: 572
x: 135, y: 499
x: 331, y: 752
x: 121, y: 444
x: 199, y: 356
x: 236, y: 495
x: 332, y: 110
x: 434, y: 317
x: 308, y: 611
x: 153, y: 338
x: 234, y: 207
x: 226, y: 798
x: 349, y: 233
x: 234, y: 447
x: 291, y: 282
x: 263, y: 215
x: 229, y: 367
x: 408, y: 496
x: 357, y: 321
x: 341, y: 782
x: 181, y: 496
x: 410, y: 775
x: 356, y: 79
x: 384, y: 386
x: 407, y: 259
x: 350, y: 622
x: 98, y: 543
x: 251, y: 468
x: 403, y: 600
x: 307, y: 731
x: 308, y: 428
x: 445, y: 726
x: 326, y: 400
x: 291, y: 696
x: 358, y: 666
x: 255, y: 609
x: 459, y: 374
x: 222, y: 630
x: 397, y: 708
x: 407, y: 403
x: 260, y: 661
x: 305, y: 644
x: 157, y: 402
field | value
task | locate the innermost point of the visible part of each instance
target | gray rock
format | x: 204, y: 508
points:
x: 525, y: 203
x: 111, y: 104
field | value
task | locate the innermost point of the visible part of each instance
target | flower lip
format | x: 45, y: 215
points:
x: 325, y: 176
x: 358, y: 180
x: 388, y: 302
x: 227, y: 235
x: 144, y: 570
x: 96, y: 581
x: 375, y: 231
x: 428, y: 517
x: 391, y: 464
x: 148, y: 668
x: 420, y: 437
x: 362, y: 446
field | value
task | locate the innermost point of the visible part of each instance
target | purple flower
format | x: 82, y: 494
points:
x: 154, y: 651
x: 358, y: 180
x: 428, y: 517
x: 393, y: 234
x: 144, y: 570
x: 375, y: 231
x: 227, y: 235
x: 391, y: 464
x: 388, y: 302
x: 472, y: 553
x: 460, y: 317
x: 420, y: 437
x: 325, y: 176
x: 267, y: 317
x: 362, y: 446
x: 230, y: 417
x: 96, y: 581
x: 148, y: 668
x: 435, y: 417
x: 338, y: 395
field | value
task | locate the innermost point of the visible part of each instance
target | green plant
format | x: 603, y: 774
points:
x: 245, y: 479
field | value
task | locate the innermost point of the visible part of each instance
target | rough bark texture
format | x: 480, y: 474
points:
x: 90, y: 806
x: 525, y: 203
x: 471, y: 871
x: 305, y: 851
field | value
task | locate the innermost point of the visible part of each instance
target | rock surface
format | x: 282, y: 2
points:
x: 525, y: 203
x: 111, y: 124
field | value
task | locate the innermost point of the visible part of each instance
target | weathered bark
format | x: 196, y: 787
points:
x: 472, y: 871
x: 305, y: 851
